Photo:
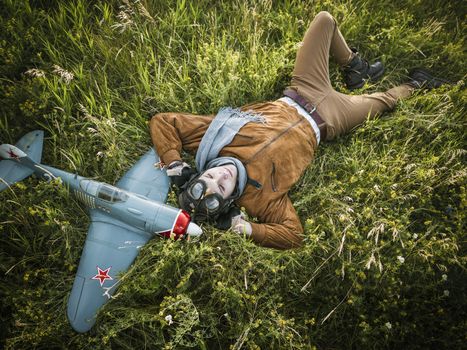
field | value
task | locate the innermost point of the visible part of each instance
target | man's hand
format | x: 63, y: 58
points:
x: 241, y: 226
x: 179, y: 173
x: 234, y: 219
x: 224, y: 222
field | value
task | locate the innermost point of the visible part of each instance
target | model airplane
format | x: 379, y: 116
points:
x: 123, y: 219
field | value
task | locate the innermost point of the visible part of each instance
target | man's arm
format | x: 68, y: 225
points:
x: 172, y: 132
x: 279, y: 225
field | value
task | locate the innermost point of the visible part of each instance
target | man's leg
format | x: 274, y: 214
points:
x: 311, y: 79
x: 311, y: 72
x: 344, y: 112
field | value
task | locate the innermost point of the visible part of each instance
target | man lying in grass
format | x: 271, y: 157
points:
x: 251, y: 157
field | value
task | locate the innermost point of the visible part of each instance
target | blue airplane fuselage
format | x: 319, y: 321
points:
x: 133, y: 209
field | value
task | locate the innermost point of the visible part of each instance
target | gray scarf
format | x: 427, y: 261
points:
x: 220, y: 133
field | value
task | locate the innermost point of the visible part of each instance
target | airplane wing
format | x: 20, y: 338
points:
x: 111, y: 247
x: 145, y: 179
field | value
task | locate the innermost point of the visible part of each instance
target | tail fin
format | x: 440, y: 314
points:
x: 17, y: 163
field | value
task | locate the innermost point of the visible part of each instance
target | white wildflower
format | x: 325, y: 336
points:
x: 388, y: 325
x: 100, y: 154
x: 35, y: 73
x: 401, y: 259
x: 64, y: 75
x: 444, y: 277
x: 446, y: 293
x: 168, y: 318
x: 299, y: 45
x: 92, y: 130
x: 111, y: 122
x: 415, y: 236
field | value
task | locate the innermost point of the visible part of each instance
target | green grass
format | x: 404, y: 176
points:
x: 384, y: 208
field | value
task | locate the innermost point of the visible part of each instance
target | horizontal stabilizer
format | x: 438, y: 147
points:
x: 10, y: 170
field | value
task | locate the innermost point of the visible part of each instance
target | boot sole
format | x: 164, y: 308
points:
x: 373, y: 79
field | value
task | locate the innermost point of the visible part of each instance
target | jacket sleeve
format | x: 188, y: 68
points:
x: 172, y: 132
x: 279, y: 226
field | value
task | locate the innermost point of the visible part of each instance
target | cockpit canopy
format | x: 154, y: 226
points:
x: 103, y: 191
x: 111, y: 194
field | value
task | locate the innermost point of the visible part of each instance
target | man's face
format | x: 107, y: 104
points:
x: 221, y: 180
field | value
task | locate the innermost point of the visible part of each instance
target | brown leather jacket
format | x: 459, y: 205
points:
x: 275, y: 155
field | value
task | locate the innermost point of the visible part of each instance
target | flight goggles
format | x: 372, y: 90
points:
x: 203, y: 206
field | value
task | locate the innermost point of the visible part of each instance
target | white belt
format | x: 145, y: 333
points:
x: 304, y: 114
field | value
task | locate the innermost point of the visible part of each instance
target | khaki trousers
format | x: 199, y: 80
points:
x: 310, y: 78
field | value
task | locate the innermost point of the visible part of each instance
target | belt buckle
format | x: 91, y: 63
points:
x: 310, y: 110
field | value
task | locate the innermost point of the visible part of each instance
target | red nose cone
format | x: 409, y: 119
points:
x: 180, y: 227
x: 181, y: 224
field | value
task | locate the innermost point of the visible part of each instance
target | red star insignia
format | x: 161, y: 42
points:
x: 12, y: 154
x: 102, y: 275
